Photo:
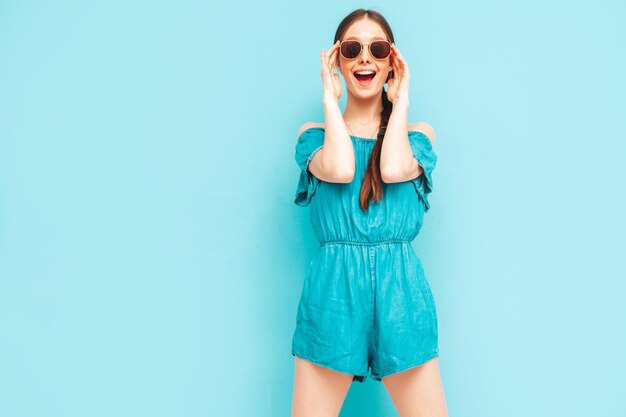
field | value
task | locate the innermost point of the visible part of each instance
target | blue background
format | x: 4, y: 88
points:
x: 151, y: 256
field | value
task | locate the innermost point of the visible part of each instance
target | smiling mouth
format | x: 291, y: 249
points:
x: 367, y: 77
x: 364, y: 80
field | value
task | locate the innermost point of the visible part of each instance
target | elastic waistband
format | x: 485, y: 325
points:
x: 355, y: 242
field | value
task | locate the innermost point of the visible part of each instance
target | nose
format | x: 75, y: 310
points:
x: 365, y: 53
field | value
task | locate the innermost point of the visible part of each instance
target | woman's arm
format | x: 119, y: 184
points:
x: 335, y: 161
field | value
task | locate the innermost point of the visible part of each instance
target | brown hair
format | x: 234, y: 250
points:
x: 371, y: 189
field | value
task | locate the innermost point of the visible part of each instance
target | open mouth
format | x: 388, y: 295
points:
x: 364, y: 77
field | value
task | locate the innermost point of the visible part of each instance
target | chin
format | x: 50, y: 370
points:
x: 367, y: 93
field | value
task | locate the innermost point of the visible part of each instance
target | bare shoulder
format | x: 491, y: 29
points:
x: 425, y: 128
x: 309, y: 125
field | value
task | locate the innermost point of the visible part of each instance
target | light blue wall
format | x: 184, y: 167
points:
x: 151, y: 256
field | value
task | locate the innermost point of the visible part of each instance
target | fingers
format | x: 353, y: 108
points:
x: 329, y: 59
x: 330, y: 79
x: 323, y: 61
x: 399, y: 59
x: 326, y: 73
x: 396, y: 56
x: 333, y: 52
x: 396, y: 52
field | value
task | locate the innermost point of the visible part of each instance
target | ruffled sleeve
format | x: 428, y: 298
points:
x: 309, y: 143
x: 423, y: 151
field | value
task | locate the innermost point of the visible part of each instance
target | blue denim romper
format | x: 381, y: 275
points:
x: 366, y: 307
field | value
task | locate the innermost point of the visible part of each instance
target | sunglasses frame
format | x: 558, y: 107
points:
x: 362, y: 44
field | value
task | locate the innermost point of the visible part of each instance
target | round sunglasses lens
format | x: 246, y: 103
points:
x: 350, y: 49
x: 380, y: 50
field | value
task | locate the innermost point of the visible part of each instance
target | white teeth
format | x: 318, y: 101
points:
x: 365, y: 72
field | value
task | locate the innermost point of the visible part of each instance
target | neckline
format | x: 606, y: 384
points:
x: 361, y: 138
x: 352, y: 136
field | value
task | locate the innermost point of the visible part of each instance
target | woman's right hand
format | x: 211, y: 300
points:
x: 331, y: 83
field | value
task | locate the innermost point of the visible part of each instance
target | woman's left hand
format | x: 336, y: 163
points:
x: 398, y: 86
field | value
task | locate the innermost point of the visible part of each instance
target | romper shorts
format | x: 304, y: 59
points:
x: 374, y: 315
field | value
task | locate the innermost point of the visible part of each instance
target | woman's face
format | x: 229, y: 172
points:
x: 365, y: 31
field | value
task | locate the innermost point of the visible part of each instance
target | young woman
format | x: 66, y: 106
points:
x: 366, y: 306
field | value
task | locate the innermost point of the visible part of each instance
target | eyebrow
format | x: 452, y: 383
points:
x: 357, y: 38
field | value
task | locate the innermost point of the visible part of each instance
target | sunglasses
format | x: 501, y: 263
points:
x: 378, y: 49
